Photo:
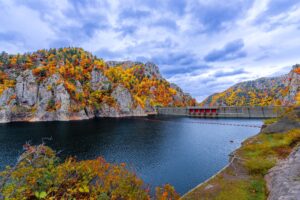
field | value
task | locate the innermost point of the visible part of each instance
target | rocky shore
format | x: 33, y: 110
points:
x: 283, y: 180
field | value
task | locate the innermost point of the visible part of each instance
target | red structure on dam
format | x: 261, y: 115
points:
x: 212, y: 112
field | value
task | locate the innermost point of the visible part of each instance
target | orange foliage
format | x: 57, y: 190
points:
x: 39, y: 175
x: 297, y: 70
x: 70, y: 87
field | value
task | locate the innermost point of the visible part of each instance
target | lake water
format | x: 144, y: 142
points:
x: 181, y: 151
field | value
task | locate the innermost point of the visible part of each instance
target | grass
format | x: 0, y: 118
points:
x: 261, y: 152
x: 228, y: 188
x: 270, y: 121
x: 243, y: 190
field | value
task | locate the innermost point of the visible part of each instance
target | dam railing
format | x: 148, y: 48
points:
x: 225, y: 111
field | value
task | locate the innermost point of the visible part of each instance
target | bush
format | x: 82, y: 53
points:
x: 38, y: 174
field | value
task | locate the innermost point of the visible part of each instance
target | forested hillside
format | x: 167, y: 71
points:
x: 70, y: 83
x: 283, y: 90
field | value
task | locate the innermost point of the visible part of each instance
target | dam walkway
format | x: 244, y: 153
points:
x: 225, y: 111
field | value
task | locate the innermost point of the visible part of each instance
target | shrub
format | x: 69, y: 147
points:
x: 38, y: 174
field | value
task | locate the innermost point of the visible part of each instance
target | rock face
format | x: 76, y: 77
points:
x: 99, y: 81
x: 123, y: 98
x: 283, y: 180
x: 152, y: 70
x: 288, y: 122
x: 292, y: 86
x: 124, y: 64
x: 282, y: 90
x: 26, y: 88
x: 72, y: 84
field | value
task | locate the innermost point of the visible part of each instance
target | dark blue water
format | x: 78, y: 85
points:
x: 173, y: 150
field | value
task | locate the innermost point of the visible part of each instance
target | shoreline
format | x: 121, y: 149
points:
x: 232, y: 159
x: 247, y: 175
x: 207, y: 180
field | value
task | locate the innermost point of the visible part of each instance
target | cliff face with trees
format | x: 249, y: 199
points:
x: 72, y: 84
x: 283, y: 90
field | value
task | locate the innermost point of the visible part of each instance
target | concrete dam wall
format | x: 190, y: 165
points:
x: 224, y: 112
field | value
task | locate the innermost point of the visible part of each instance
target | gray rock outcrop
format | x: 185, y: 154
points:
x: 99, y: 81
x: 288, y: 122
x: 283, y: 180
x: 125, y: 103
x: 26, y: 88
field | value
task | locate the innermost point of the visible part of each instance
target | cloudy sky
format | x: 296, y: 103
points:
x: 204, y: 46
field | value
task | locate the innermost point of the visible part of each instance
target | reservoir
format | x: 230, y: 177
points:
x: 181, y: 151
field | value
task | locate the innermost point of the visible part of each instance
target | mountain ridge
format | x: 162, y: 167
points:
x: 72, y: 84
x: 280, y: 90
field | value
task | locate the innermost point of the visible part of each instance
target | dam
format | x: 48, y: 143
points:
x: 224, y: 111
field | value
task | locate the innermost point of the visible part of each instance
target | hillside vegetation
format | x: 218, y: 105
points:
x: 70, y: 83
x: 283, y: 90
x: 39, y: 174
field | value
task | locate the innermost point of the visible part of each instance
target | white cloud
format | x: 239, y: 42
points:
x: 167, y: 31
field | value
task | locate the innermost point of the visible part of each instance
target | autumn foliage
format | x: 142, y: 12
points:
x: 277, y: 91
x: 39, y: 174
x: 74, y: 66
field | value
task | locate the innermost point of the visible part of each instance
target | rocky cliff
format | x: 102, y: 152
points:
x: 282, y: 90
x: 72, y: 84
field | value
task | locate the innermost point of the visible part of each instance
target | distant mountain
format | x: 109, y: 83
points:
x: 72, y: 84
x: 282, y: 90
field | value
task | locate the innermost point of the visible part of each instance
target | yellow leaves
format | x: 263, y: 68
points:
x: 5, y: 82
x: 70, y: 86
x: 97, y: 97
x: 52, y: 68
x: 62, y: 70
x: 40, y: 195
x: 2, y: 88
x: 9, y: 83
x: 278, y: 102
x: 139, y: 100
x: 13, y: 61
x: 84, y: 189
x: 285, y: 91
x: 172, y: 91
x: 297, y: 98
x: 49, y: 87
x: 87, y: 75
x: 41, y: 72
x: 28, y: 64
x: 99, y: 64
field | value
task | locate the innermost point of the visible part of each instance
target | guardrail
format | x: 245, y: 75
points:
x: 225, y: 111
